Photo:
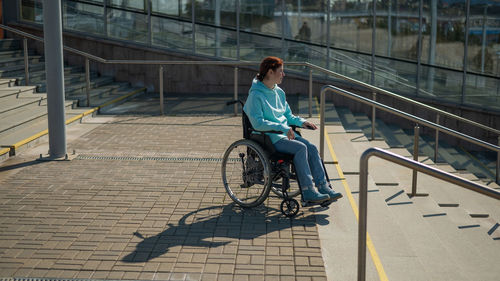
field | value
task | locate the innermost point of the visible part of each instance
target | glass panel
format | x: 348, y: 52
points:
x: 256, y: 47
x: 130, y: 4
x: 484, y: 37
x: 397, y: 29
x: 306, y: 20
x: 443, y: 40
x: 167, y: 7
x: 127, y: 25
x: 262, y: 16
x: 172, y: 33
x: 185, y: 8
x: 483, y: 92
x: 83, y: 17
x: 31, y: 10
x: 396, y: 76
x: 217, y: 12
x: 441, y: 84
x: 351, y: 25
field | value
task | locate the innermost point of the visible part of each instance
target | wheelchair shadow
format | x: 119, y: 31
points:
x: 217, y: 226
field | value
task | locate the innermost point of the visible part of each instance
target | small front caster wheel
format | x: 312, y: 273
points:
x: 290, y: 207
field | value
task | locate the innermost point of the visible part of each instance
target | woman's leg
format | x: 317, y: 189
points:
x: 314, y: 160
x: 300, y: 160
x: 318, y: 171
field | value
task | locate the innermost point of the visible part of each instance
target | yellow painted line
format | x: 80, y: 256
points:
x: 369, y: 243
x: 4, y: 151
x: 74, y: 118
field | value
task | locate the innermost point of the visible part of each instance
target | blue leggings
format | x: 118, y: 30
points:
x: 306, y: 159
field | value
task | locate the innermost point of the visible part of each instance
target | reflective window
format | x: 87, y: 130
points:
x: 262, y: 16
x: 128, y: 4
x: 217, y: 12
x: 83, y: 17
x: 397, y: 28
x: 484, y: 37
x: 171, y: 33
x: 306, y: 20
x: 351, y: 25
x: 166, y: 7
x: 31, y: 10
x: 127, y: 25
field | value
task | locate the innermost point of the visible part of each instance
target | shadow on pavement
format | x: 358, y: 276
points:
x: 207, y: 227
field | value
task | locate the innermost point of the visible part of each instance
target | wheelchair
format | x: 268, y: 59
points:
x: 252, y: 168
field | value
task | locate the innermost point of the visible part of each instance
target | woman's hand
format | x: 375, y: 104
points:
x: 290, y: 134
x: 309, y: 125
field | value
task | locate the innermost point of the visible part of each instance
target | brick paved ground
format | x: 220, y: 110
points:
x: 163, y: 219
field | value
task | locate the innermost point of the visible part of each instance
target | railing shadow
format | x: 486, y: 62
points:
x: 210, y: 227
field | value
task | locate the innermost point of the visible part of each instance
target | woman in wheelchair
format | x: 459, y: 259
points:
x: 268, y: 110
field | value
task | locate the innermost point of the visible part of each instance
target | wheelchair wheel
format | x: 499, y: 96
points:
x: 289, y: 207
x: 245, y: 173
x: 294, y: 188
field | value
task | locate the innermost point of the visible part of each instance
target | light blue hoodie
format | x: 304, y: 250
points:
x: 268, y: 110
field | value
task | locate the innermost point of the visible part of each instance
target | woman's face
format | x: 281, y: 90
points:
x: 277, y: 75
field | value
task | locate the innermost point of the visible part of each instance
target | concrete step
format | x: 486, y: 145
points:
x: 15, y: 53
x: 348, y: 120
x: 36, y: 77
x: 10, y: 44
x: 8, y: 61
x: 17, y: 91
x: 14, y: 101
x: 14, y: 71
x: 16, y: 118
x: 7, y: 82
x: 365, y: 124
x: 78, y: 88
x: 424, y: 148
x: 429, y: 235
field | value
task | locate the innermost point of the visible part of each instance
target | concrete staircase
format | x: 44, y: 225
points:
x: 23, y: 108
x: 451, y: 234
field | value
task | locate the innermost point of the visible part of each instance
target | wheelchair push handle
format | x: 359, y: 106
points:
x: 235, y: 101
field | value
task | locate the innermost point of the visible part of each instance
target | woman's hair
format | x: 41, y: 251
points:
x: 268, y: 63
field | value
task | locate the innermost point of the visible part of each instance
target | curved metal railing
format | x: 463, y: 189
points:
x: 236, y: 64
x: 416, y: 166
x: 407, y: 116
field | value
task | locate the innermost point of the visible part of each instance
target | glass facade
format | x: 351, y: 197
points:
x: 435, y: 49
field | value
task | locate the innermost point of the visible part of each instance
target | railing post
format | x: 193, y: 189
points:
x: 498, y: 163
x: 373, y: 115
x: 87, y: 80
x: 26, y: 62
x: 363, y: 206
x: 161, y: 90
x: 322, y: 124
x: 415, y: 157
x: 436, y: 145
x: 310, y: 91
x: 236, y: 90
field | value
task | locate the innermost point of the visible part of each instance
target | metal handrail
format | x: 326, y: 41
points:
x: 415, y: 165
x: 402, y: 114
x: 236, y: 64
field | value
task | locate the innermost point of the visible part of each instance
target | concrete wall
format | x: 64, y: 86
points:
x: 220, y: 79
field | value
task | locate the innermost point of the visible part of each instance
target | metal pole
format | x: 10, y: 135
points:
x: 436, y: 145
x: 415, y: 157
x: 328, y: 35
x: 498, y: 163
x: 310, y: 91
x: 54, y: 67
x: 374, y: 38
x: 193, y: 26
x: 150, y: 23
x: 363, y: 206
x: 466, y: 43
x: 26, y: 63
x: 322, y: 125
x: 87, y: 80
x: 373, y: 115
x: 419, y: 47
x: 161, y: 90
x: 235, y: 90
x: 238, y: 29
